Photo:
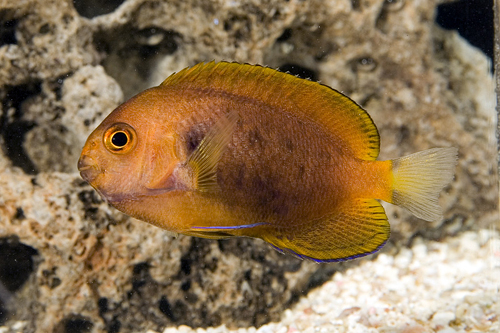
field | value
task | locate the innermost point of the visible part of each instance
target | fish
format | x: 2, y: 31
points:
x: 224, y: 149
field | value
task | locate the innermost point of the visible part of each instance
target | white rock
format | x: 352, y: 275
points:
x: 443, y: 318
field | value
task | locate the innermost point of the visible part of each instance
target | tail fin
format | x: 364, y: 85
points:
x: 418, y: 179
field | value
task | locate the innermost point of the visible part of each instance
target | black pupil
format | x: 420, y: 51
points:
x: 119, y: 139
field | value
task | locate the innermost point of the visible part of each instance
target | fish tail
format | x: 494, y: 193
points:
x: 419, y: 178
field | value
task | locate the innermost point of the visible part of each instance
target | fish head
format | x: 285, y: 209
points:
x: 128, y: 152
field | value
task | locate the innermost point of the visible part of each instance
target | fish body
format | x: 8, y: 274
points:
x: 226, y: 149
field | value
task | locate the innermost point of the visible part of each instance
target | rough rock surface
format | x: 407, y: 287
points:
x: 70, y: 263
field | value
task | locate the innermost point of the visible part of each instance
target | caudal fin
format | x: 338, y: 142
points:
x: 418, y: 179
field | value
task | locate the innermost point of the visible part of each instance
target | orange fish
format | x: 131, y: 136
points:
x: 226, y: 149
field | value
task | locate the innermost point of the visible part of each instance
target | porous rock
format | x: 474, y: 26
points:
x: 88, y: 268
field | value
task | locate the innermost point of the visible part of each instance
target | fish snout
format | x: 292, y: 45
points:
x: 88, y: 168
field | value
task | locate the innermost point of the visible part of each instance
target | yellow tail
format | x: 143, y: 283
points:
x: 418, y: 179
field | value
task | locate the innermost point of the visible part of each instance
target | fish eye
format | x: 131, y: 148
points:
x: 120, y: 138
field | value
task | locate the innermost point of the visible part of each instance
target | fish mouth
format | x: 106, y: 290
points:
x: 88, y: 168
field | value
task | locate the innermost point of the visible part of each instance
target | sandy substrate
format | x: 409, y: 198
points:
x: 433, y: 287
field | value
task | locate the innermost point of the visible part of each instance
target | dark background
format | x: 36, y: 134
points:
x: 473, y: 19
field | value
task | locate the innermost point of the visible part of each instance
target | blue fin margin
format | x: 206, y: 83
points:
x: 235, y: 227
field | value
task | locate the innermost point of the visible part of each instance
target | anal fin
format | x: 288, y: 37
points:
x: 359, y: 229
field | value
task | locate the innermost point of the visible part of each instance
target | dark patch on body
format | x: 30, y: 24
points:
x: 193, y: 138
x: 255, y: 138
x: 266, y: 171
x: 269, y: 197
x: 264, y: 190
x: 289, y: 145
x: 280, y: 210
x: 239, y: 181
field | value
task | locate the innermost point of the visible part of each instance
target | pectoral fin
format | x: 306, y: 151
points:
x: 206, y: 156
x: 360, y: 229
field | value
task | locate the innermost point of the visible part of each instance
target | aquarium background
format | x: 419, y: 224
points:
x: 71, y: 263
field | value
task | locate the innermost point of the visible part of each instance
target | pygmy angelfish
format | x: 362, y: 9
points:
x: 226, y: 149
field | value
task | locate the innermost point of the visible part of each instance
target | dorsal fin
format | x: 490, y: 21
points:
x: 339, y: 114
